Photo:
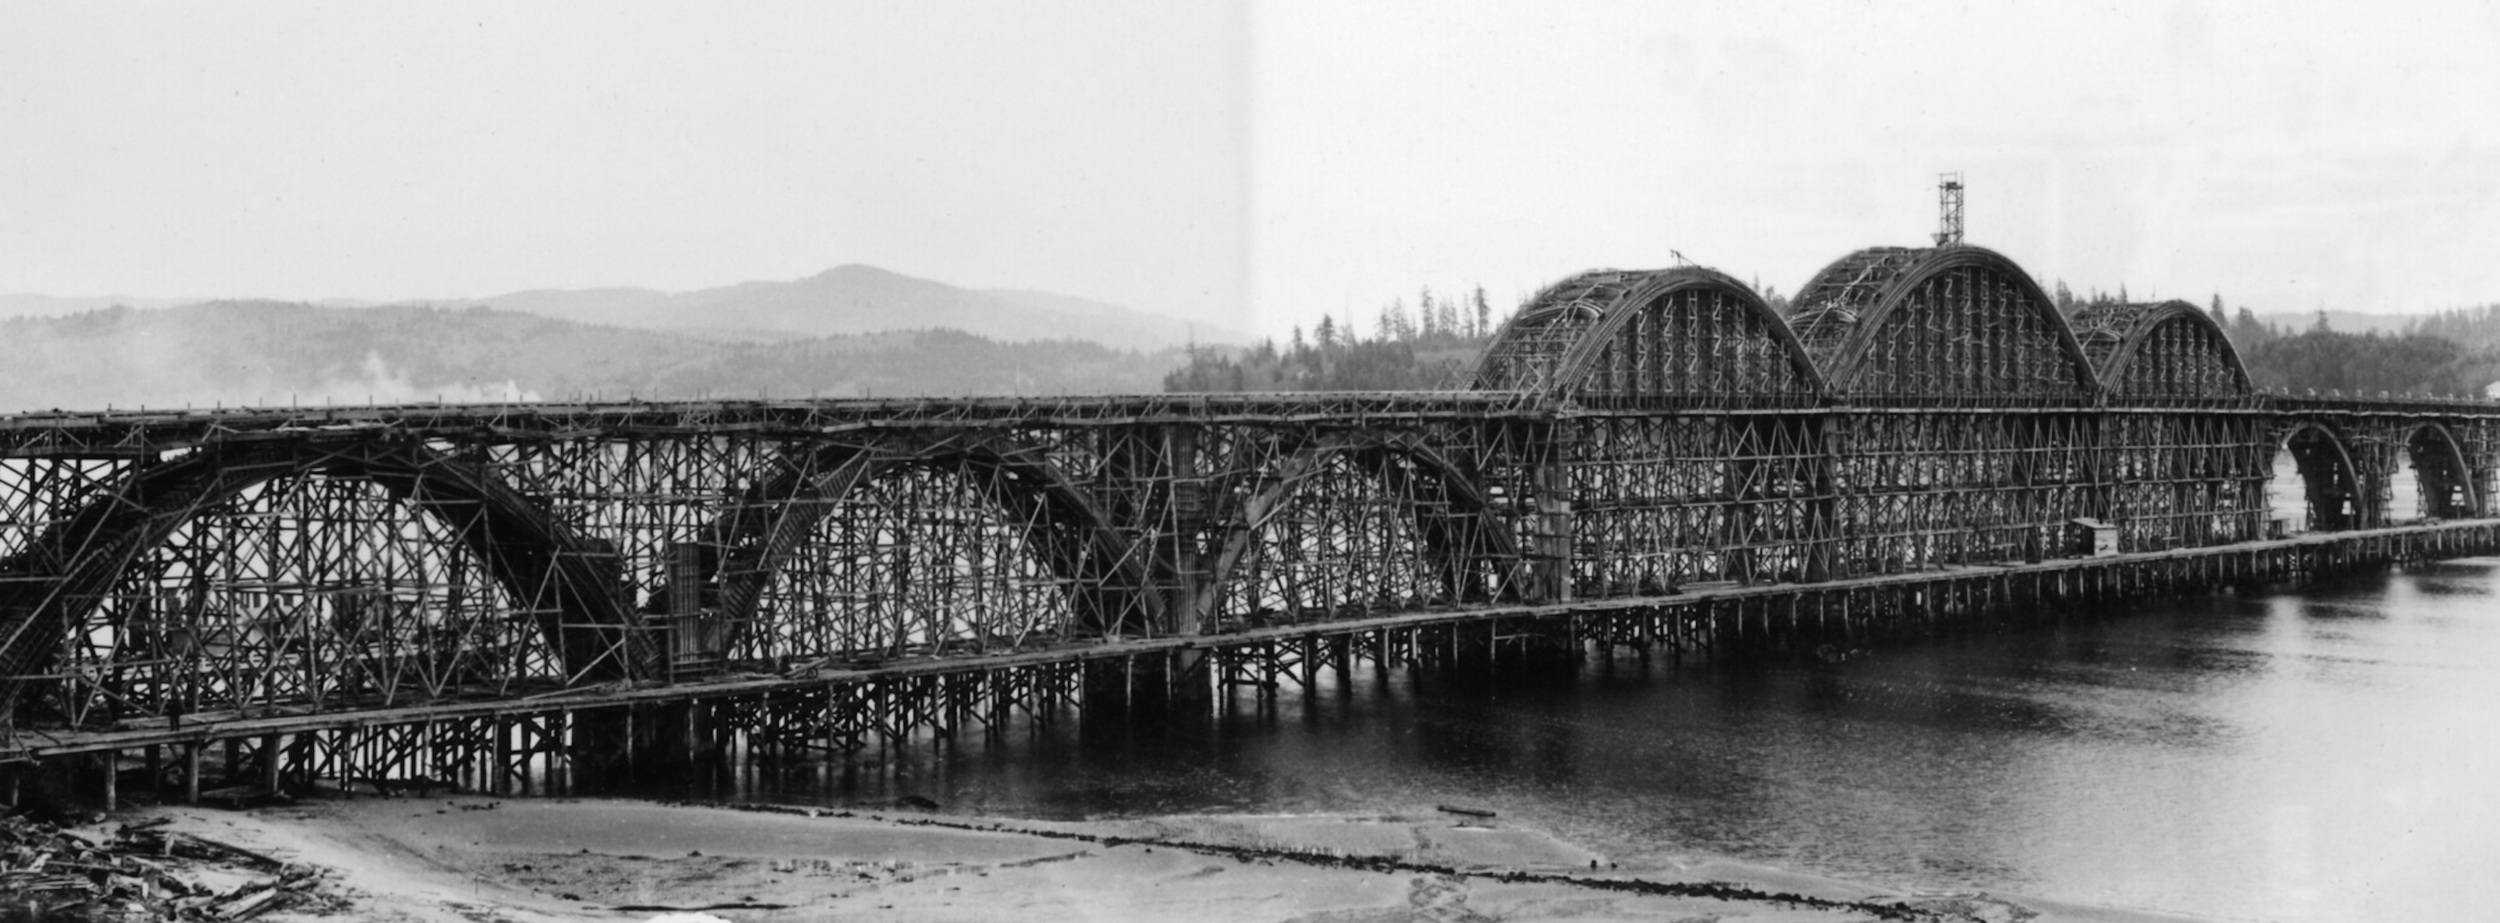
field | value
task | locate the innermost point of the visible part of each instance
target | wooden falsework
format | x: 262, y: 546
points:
x: 1631, y: 438
x: 809, y: 729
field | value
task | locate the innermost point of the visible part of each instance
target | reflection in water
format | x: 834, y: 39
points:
x: 2314, y: 755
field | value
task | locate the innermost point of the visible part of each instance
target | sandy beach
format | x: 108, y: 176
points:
x: 468, y: 859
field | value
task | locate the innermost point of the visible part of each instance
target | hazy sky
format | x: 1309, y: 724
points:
x: 1257, y: 165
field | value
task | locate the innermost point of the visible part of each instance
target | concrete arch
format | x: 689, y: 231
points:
x: 1606, y: 334
x: 1849, y: 311
x: 1464, y: 544
x: 561, y: 578
x: 2332, y: 484
x: 2167, y: 350
x: 1069, y: 533
x: 2445, y: 474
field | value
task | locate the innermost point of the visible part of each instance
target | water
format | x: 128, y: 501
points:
x: 2324, y: 754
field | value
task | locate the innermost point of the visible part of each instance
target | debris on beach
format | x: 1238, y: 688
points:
x: 1463, y: 811
x: 145, y: 872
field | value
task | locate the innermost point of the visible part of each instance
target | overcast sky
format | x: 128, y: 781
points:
x: 1253, y: 166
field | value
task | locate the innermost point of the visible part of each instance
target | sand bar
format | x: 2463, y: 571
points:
x: 466, y: 858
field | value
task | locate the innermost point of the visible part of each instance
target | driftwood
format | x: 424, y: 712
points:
x: 138, y: 874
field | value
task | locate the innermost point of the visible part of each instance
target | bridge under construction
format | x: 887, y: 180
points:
x: 553, y: 598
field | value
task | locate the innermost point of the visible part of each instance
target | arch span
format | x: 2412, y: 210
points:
x: 1458, y: 546
x: 1958, y: 322
x: 2169, y: 350
x: 2331, y: 484
x: 1632, y: 336
x: 1056, y: 523
x: 2446, y: 478
x: 561, y: 580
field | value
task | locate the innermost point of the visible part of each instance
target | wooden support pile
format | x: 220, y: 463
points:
x: 144, y: 873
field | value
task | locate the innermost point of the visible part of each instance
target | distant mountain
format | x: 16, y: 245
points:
x: 857, y: 299
x: 272, y: 353
x: 920, y: 363
x: 24, y: 304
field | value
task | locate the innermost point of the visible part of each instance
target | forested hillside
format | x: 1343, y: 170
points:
x: 2447, y: 353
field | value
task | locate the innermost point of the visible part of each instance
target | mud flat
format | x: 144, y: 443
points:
x: 465, y: 858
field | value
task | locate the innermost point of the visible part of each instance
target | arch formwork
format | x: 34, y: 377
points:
x: 1946, y: 325
x: 1917, y: 407
x: 2005, y: 450
x: 900, y: 543
x: 351, y: 593
x: 2176, y: 479
x: 1687, y: 336
x: 1726, y: 487
x: 657, y: 542
x: 1354, y: 523
x: 2150, y: 353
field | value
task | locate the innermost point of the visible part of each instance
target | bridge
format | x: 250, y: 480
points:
x: 548, y: 597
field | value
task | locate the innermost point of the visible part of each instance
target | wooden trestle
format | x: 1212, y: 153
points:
x: 826, y: 722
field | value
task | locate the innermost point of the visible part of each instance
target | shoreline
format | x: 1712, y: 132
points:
x: 456, y: 858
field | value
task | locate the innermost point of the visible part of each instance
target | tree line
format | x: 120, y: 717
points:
x: 1431, y: 346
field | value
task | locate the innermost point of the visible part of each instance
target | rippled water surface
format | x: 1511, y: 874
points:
x: 2321, y: 754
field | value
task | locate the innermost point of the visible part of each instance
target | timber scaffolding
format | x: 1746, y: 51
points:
x: 807, y: 729
x: 562, y: 596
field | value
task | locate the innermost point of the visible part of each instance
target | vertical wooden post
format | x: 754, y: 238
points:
x: 559, y: 753
x: 501, y: 782
x: 1555, y: 551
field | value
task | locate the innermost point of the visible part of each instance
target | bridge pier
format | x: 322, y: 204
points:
x: 602, y: 749
x: 617, y: 748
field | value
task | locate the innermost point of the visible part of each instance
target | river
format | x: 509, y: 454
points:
x: 2324, y: 753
